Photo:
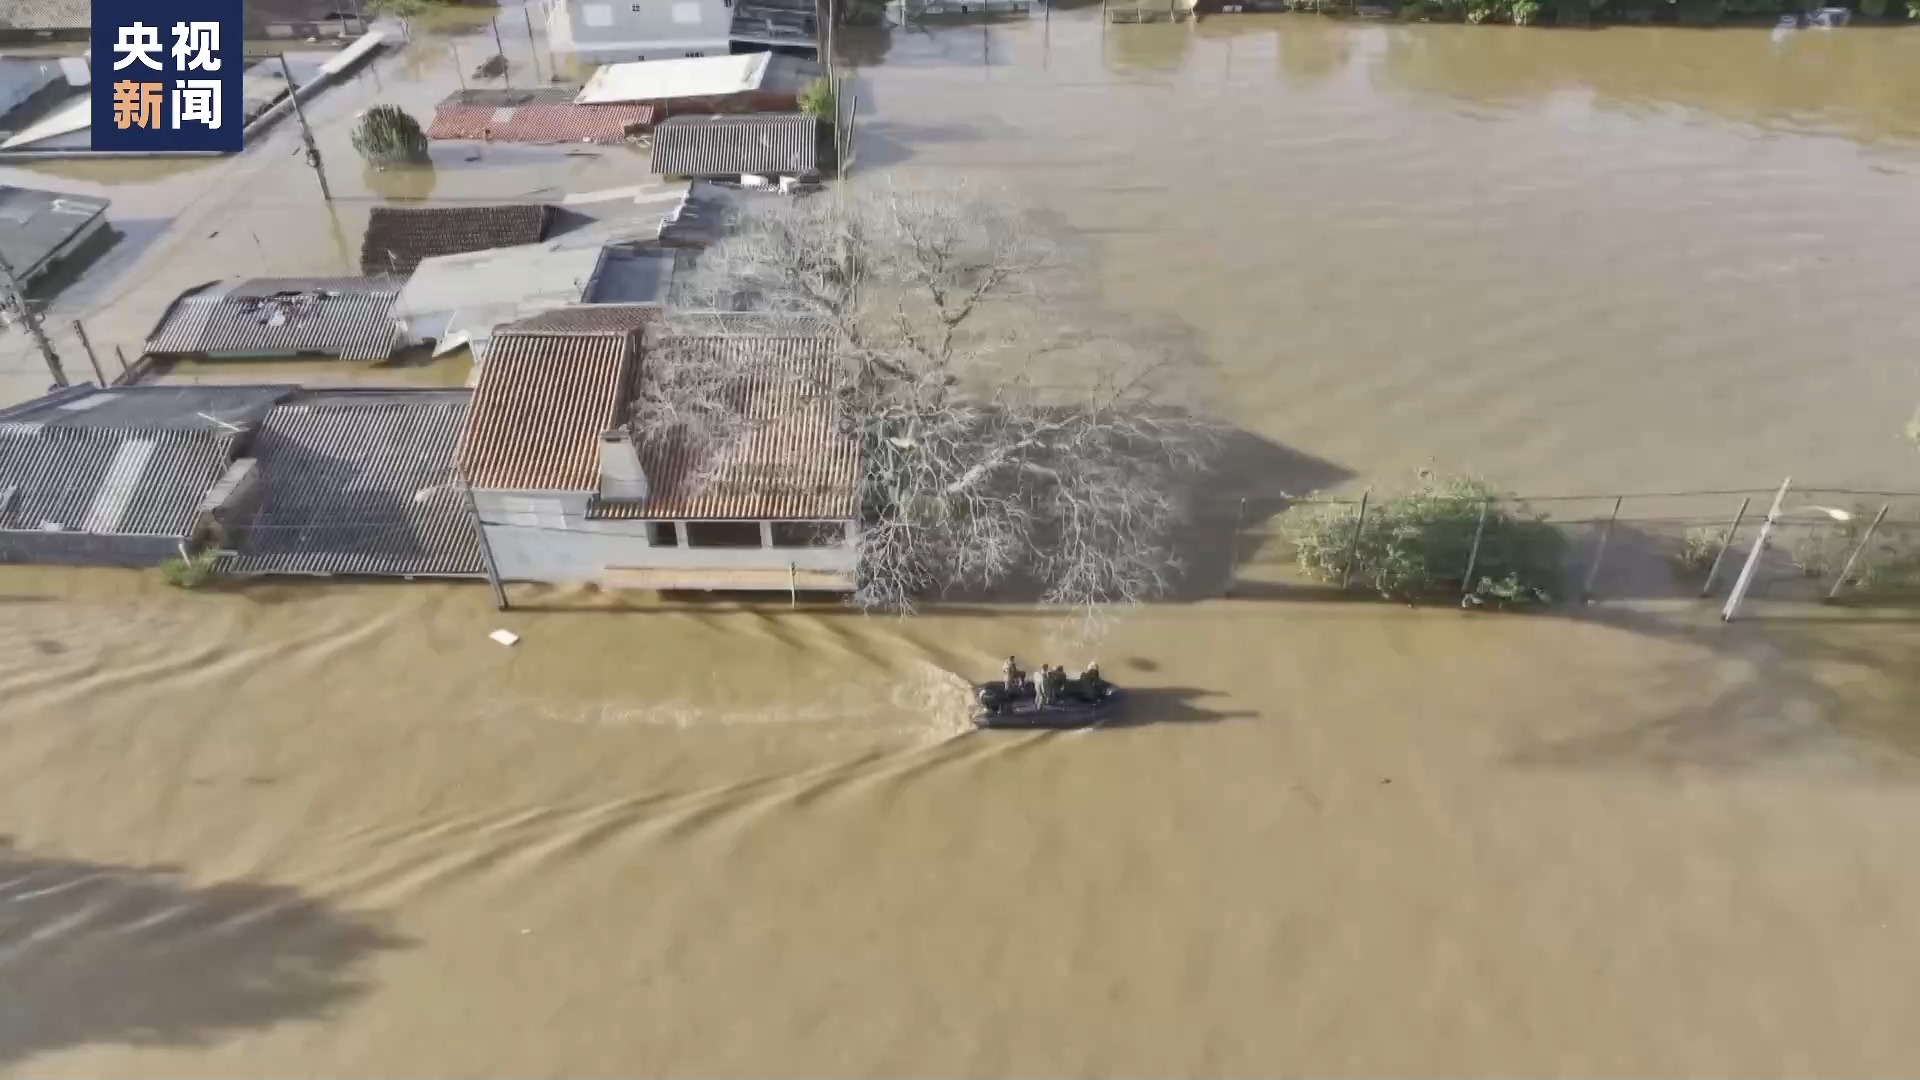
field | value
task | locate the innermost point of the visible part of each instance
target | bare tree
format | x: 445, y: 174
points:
x: 1002, y: 439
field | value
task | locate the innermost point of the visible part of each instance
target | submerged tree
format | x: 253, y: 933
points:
x: 1002, y: 440
x: 387, y: 135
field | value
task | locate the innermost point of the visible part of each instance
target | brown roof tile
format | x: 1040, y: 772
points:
x: 541, y: 405
x: 398, y: 237
x: 587, y: 318
x: 546, y: 115
x: 794, y: 464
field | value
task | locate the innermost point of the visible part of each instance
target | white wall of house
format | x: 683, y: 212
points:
x: 546, y: 536
x: 620, y: 30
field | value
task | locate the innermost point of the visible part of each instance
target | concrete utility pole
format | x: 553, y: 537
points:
x: 16, y: 300
x: 306, y: 133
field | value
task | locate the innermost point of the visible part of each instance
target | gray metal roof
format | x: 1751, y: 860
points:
x: 122, y: 461
x: 344, y: 317
x: 357, y: 483
x: 150, y: 408
x: 34, y: 224
x: 736, y: 144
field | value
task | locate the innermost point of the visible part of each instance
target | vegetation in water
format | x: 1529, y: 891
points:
x: 189, y: 572
x: 387, y: 135
x: 1417, y: 546
x: 817, y: 99
x: 1698, y: 547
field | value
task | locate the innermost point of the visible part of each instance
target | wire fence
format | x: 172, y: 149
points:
x: 1828, y: 544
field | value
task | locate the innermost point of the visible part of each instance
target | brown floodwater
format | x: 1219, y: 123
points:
x: 305, y: 827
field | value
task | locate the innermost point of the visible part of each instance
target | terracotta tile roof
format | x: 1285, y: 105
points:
x: 794, y: 464
x: 587, y: 318
x: 534, y: 116
x: 541, y: 405
x: 398, y: 237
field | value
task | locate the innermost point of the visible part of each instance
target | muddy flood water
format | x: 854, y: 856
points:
x: 306, y: 827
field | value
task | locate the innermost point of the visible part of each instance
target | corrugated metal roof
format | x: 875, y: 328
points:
x: 734, y: 144
x: 547, y: 115
x: 541, y: 405
x: 358, y: 483
x: 344, y: 317
x: 105, y: 481
x: 210, y: 408
x: 398, y: 237
x: 793, y: 463
x: 34, y: 224
x: 549, y: 274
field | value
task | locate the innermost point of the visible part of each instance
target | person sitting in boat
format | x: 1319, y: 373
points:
x: 1090, y: 676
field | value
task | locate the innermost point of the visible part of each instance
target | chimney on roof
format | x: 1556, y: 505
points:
x: 621, y: 477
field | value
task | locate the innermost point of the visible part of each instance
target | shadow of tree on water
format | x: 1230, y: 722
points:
x: 139, y: 955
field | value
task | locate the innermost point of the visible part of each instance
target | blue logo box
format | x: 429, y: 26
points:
x: 167, y: 75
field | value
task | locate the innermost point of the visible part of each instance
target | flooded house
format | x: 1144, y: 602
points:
x: 753, y: 82
x: 41, y: 231
x: 572, y: 488
x: 280, y: 318
x: 353, y: 482
x: 121, y: 476
x: 539, y: 116
x: 744, y: 146
x: 72, y: 20
x: 399, y: 237
x: 646, y: 30
x: 460, y: 299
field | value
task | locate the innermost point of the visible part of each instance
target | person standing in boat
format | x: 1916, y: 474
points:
x: 1013, y: 675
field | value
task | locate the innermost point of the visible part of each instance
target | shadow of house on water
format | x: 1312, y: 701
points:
x: 91, y: 953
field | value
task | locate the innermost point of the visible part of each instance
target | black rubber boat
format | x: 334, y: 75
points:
x: 1080, y: 706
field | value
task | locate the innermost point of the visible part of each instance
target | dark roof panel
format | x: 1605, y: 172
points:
x: 398, y: 237
x: 358, y: 482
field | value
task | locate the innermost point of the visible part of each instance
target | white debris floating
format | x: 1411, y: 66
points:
x: 505, y: 637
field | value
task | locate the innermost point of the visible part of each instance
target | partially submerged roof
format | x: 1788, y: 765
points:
x: 697, y: 77
x: 358, y: 482
x: 700, y: 218
x: 398, y: 237
x: 544, y: 399
x: 34, y: 224
x: 124, y: 461
x: 344, y: 317
x: 588, y: 319
x: 737, y: 144
x: 530, y: 276
x: 543, y: 115
x: 793, y: 463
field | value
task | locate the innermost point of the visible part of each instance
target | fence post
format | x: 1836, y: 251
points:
x: 1747, y: 569
x: 793, y: 586
x: 1353, y: 545
x: 80, y: 332
x: 1865, y: 537
x: 1706, y: 588
x: 1473, y: 557
x: 1233, y: 561
x: 1600, y: 552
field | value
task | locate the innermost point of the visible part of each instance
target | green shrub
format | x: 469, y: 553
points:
x: 1526, y: 12
x: 1416, y: 546
x: 1486, y: 11
x: 1913, y: 9
x: 191, y: 571
x: 386, y: 135
x: 1873, y: 9
x: 1698, y: 547
x: 816, y: 99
